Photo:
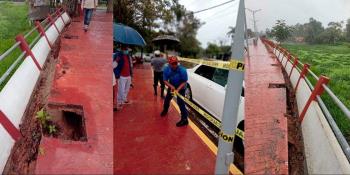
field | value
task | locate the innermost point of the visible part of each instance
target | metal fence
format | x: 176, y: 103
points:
x: 317, y: 90
x: 36, y: 32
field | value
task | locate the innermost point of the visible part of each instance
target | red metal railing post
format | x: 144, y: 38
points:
x: 9, y: 127
x: 283, y: 55
x: 58, y: 13
x: 288, y: 58
x: 317, y: 91
x: 303, y: 73
x: 42, y: 32
x: 279, y: 52
x: 25, y: 47
x: 295, y: 63
x: 52, y: 22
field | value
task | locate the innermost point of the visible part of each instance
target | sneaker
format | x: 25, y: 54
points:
x: 163, y: 113
x: 182, y: 123
x: 126, y: 102
x: 86, y: 28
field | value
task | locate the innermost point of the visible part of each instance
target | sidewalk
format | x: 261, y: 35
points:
x: 266, y: 142
x: 145, y: 143
x: 87, y: 81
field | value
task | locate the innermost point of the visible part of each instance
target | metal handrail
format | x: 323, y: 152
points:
x: 340, y: 137
x: 10, y: 69
x: 9, y: 50
x: 14, y: 46
x: 340, y: 104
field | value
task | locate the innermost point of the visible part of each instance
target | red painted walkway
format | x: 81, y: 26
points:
x: 266, y: 142
x: 145, y: 143
x: 87, y: 82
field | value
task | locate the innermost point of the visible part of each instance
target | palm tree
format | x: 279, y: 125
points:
x: 231, y: 32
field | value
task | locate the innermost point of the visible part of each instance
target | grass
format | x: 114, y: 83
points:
x: 332, y: 61
x: 13, y: 21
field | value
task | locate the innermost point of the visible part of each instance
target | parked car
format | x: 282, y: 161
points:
x: 206, y: 87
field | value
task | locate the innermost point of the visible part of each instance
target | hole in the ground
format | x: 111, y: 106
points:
x: 68, y: 121
x: 67, y: 36
x: 277, y: 85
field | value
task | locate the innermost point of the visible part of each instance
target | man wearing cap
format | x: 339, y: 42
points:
x: 157, y: 64
x: 175, y: 77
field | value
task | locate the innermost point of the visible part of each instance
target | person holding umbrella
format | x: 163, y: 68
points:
x: 123, y: 73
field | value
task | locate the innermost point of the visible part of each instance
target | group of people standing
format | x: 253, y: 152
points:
x: 165, y: 72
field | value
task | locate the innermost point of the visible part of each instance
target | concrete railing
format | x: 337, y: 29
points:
x: 326, y: 149
x: 16, y: 94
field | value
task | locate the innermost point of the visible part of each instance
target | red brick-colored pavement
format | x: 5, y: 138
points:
x: 266, y: 142
x: 145, y: 143
x: 87, y: 82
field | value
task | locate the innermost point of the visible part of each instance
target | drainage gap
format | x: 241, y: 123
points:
x: 69, y: 121
x: 296, y: 155
x: 277, y: 85
x: 68, y: 36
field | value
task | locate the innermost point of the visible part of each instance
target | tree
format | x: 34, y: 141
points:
x: 212, y: 50
x: 231, y: 32
x: 332, y: 34
x: 312, y: 30
x: 158, y: 17
x: 347, y: 30
x: 280, y: 31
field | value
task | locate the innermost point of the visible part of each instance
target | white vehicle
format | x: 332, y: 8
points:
x: 145, y: 56
x: 207, y: 86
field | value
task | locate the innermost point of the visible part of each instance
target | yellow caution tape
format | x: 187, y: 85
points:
x: 210, y: 118
x: 229, y: 65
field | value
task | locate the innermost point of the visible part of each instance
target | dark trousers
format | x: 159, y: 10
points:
x: 158, y: 77
x: 87, y: 16
x: 180, y: 102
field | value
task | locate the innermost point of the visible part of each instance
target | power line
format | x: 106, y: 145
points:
x: 213, y: 7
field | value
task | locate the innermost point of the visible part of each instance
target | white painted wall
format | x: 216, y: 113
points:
x: 322, y: 150
x: 16, y: 94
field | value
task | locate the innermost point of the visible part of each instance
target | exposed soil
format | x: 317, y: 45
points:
x: 25, y: 151
x: 68, y: 120
x: 296, y: 155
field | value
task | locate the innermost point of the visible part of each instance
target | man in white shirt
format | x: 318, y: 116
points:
x: 88, y: 6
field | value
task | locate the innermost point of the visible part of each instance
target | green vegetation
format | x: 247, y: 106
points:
x: 13, y: 21
x: 332, y: 61
x: 45, y: 121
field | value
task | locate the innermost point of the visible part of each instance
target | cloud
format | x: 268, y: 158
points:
x: 293, y: 11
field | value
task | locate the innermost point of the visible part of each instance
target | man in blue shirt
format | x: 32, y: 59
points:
x: 175, y: 77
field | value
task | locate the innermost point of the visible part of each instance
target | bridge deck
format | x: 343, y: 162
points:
x: 148, y: 144
x: 266, y: 142
x: 87, y: 82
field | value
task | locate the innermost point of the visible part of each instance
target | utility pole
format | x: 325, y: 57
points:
x: 232, y: 99
x: 254, y: 22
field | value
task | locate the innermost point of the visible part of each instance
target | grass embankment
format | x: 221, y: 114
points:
x: 332, y: 61
x: 13, y: 21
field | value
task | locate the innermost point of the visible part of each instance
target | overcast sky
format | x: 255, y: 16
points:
x: 219, y: 19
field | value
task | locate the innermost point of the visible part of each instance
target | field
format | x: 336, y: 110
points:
x: 13, y: 21
x: 332, y: 61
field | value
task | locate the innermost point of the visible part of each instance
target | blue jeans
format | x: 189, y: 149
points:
x: 87, y: 16
x: 180, y: 102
